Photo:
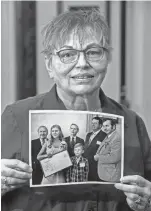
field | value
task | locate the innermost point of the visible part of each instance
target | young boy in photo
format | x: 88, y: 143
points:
x: 78, y: 172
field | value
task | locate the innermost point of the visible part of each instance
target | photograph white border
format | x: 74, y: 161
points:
x: 82, y: 112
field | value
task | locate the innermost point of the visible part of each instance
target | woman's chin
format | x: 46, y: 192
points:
x: 83, y: 90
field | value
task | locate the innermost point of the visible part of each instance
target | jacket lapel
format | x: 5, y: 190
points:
x: 51, y: 101
x: 101, y: 146
x: 87, y: 143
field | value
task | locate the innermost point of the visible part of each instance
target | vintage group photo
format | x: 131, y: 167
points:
x: 75, y: 147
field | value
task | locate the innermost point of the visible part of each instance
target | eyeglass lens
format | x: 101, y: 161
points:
x: 71, y: 55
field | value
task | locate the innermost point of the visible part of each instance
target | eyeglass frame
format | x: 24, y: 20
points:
x: 84, y: 52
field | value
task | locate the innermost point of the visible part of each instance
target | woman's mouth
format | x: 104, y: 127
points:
x: 83, y: 78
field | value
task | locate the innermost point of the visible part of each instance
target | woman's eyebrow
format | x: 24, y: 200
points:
x: 92, y: 45
x: 87, y: 47
x: 67, y: 46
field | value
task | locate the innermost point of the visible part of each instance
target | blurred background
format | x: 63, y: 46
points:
x: 23, y: 71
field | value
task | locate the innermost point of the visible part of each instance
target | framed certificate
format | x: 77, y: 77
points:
x: 56, y: 163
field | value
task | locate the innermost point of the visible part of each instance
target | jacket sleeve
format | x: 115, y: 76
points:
x: 145, y: 144
x: 10, y: 135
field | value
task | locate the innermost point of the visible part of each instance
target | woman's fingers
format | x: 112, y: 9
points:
x: 138, y: 191
x: 134, y: 197
x: 14, y: 181
x: 9, y: 172
x: 136, y: 179
x: 16, y: 170
x: 14, y: 174
x: 130, y: 188
x: 16, y: 164
x: 135, y: 206
x: 142, y: 185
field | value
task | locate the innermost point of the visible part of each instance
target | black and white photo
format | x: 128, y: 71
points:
x: 95, y: 155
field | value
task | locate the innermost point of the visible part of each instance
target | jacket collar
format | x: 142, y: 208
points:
x: 51, y: 101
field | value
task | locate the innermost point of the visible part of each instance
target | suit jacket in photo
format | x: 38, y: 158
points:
x: 90, y: 150
x: 109, y: 158
x: 37, y: 173
x: 70, y: 147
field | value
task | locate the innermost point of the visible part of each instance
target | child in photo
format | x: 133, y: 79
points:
x: 78, y: 172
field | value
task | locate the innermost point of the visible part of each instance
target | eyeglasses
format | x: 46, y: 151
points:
x: 93, y: 54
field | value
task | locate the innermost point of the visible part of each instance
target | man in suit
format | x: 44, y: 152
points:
x: 36, y: 146
x: 73, y: 139
x: 92, y: 143
x: 109, y: 153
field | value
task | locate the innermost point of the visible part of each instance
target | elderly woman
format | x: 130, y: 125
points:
x: 56, y: 144
x: 77, y: 54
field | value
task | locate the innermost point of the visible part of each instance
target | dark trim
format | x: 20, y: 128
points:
x: 26, y: 81
x: 123, y: 95
x: 76, y: 8
x: 123, y: 41
x: 123, y: 49
x: 108, y: 12
x: 59, y: 7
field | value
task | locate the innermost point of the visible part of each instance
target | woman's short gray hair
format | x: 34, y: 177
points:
x: 82, y: 23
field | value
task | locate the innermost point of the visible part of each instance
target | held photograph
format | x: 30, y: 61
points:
x: 75, y: 147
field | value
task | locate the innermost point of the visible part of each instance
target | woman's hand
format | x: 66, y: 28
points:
x: 14, y: 174
x: 138, y: 192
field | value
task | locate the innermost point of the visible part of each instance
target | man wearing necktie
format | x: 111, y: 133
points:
x: 36, y: 146
x: 73, y: 139
x: 92, y: 143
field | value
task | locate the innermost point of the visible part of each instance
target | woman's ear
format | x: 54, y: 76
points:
x: 48, y: 63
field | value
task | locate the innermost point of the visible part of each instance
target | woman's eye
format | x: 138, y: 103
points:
x: 67, y: 54
x: 95, y: 52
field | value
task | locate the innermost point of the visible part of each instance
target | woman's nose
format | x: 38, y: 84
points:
x: 82, y: 62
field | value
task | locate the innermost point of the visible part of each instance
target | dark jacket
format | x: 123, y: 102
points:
x: 70, y: 148
x: 90, y: 151
x: 15, y: 144
x: 37, y: 173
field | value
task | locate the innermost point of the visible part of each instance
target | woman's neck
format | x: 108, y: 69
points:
x: 56, y: 139
x: 87, y: 102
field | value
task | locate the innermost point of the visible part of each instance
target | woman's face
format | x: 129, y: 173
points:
x: 55, y: 132
x: 80, y: 77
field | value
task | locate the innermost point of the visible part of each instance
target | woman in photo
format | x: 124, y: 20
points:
x: 54, y: 145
